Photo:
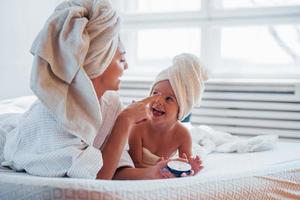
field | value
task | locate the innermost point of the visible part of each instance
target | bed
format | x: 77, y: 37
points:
x: 273, y: 174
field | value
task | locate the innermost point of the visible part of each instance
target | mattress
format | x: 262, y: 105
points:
x: 273, y: 174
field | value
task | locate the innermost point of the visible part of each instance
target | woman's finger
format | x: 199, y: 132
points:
x: 149, y: 99
x: 141, y: 121
x: 168, y: 174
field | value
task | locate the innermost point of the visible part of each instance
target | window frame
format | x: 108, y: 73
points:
x: 207, y: 18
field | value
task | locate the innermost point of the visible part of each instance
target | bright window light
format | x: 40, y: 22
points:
x: 158, y: 44
x: 261, y: 44
x: 150, y: 6
x: 233, y: 4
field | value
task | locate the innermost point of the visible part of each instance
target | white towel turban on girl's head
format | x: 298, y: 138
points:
x: 187, y: 77
x: 76, y: 44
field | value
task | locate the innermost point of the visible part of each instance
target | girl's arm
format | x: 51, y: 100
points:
x: 185, y: 152
x: 186, y: 144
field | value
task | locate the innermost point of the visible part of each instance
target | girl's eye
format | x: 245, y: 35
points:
x: 122, y: 60
x: 154, y: 92
x: 169, y: 99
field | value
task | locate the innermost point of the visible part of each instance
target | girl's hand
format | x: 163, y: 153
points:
x: 138, y: 111
x: 195, y: 162
x: 161, y: 171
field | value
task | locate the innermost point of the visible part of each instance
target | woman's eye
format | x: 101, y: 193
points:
x: 122, y: 60
x: 154, y: 93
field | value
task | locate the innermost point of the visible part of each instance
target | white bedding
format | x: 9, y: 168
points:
x: 261, y: 175
x: 273, y: 174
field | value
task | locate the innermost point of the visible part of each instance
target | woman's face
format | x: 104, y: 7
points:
x: 165, y: 108
x: 110, y: 79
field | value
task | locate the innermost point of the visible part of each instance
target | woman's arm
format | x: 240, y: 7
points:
x: 113, y: 148
x: 136, y: 147
x: 115, y: 143
x: 153, y: 172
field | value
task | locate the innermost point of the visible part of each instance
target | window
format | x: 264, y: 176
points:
x: 234, y: 4
x: 152, y: 6
x: 234, y: 39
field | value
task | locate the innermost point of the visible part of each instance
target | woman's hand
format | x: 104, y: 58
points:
x: 138, y: 111
x: 159, y: 170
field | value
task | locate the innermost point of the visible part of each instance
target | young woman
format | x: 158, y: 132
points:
x: 77, y: 127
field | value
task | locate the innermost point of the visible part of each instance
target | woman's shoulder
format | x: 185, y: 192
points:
x: 111, y: 101
x: 111, y: 97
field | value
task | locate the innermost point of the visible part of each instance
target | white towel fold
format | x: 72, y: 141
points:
x: 218, y: 141
x: 76, y: 44
x: 187, y: 77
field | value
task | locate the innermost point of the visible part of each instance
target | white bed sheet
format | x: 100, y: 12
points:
x: 218, y: 164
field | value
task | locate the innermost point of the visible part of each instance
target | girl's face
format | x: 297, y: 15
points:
x: 110, y: 78
x: 165, y: 108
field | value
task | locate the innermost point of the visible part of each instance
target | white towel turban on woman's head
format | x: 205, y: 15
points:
x: 186, y: 77
x: 76, y: 44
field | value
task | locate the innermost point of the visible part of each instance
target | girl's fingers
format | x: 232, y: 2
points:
x: 170, y: 175
x: 184, y: 156
x: 183, y: 174
x: 160, y: 159
x: 198, y: 169
x: 192, y: 173
x: 181, y: 159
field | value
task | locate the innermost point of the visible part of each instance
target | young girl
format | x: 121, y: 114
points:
x: 179, y: 88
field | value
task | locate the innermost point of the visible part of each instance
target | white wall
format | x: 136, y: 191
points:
x: 20, y: 21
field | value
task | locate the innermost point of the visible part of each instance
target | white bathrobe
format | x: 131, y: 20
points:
x: 41, y: 146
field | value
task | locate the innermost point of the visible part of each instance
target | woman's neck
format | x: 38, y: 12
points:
x: 98, y: 87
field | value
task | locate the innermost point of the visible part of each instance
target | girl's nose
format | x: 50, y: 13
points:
x: 125, y: 66
x: 159, y: 99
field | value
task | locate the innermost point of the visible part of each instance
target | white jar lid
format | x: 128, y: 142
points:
x: 179, y: 166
